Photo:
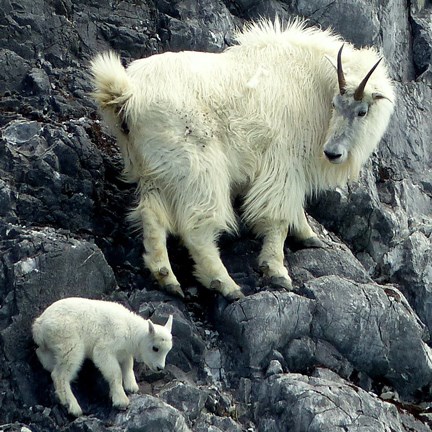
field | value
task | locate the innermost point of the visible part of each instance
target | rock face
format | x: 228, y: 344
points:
x: 348, y: 349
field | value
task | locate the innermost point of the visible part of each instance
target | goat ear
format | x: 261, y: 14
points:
x: 378, y: 96
x: 151, y: 328
x: 168, y: 324
x: 331, y: 61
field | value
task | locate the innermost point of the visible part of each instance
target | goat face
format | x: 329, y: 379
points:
x: 155, y: 346
x: 347, y: 122
x: 349, y: 117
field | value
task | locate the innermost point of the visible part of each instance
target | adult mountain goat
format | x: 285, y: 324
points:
x: 280, y: 116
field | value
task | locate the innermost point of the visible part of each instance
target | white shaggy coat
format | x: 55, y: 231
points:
x: 197, y: 128
x: 73, y: 329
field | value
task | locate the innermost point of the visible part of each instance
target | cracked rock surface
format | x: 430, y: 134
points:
x: 323, y: 403
x: 347, y: 350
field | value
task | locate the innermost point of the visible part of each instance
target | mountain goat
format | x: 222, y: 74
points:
x: 73, y: 329
x: 274, y: 119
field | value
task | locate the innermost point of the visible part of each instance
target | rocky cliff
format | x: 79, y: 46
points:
x: 347, y: 350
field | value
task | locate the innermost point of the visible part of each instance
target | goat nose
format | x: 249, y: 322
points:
x: 159, y: 368
x: 331, y: 155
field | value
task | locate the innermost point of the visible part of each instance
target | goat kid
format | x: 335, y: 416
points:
x: 73, y: 329
x: 274, y: 119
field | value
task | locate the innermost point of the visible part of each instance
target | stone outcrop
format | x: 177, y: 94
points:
x: 348, y: 349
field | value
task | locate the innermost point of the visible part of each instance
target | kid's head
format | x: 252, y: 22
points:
x: 155, y: 347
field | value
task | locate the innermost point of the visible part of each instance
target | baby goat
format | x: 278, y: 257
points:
x: 73, y: 329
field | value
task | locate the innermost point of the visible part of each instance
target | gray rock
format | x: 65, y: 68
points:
x: 342, y: 325
x: 39, y: 83
x: 358, y: 217
x: 375, y: 329
x: 209, y: 423
x: 321, y: 405
x: 51, y: 172
x: 262, y: 322
x: 254, y: 10
x: 90, y: 425
x: 334, y: 258
x: 409, y: 264
x: 219, y: 403
x: 422, y: 40
x: 61, y: 195
x: 342, y: 16
x: 203, y: 26
x: 303, y: 354
x: 149, y: 414
x: 395, y: 40
x: 13, y: 70
x: 190, y: 400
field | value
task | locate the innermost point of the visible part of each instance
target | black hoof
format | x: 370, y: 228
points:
x: 310, y: 243
x: 234, y: 296
x: 174, y: 290
x: 281, y: 282
x: 264, y: 267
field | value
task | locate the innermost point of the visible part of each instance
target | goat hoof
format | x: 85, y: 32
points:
x: 310, y: 243
x: 264, y: 267
x: 163, y: 272
x: 216, y: 285
x: 175, y: 290
x: 121, y: 404
x: 234, y: 295
x: 131, y: 388
x: 75, y: 410
x: 281, y: 282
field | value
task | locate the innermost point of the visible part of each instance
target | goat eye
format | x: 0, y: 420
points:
x: 155, y: 349
x: 362, y: 113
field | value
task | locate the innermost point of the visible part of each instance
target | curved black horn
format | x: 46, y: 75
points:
x: 340, y: 74
x: 358, y: 94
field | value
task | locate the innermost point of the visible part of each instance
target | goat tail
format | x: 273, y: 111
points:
x: 38, y: 332
x: 112, y: 84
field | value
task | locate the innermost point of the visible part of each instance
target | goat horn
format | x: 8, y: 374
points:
x: 340, y: 74
x: 358, y: 95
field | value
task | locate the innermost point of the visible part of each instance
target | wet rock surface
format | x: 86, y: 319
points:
x: 348, y: 349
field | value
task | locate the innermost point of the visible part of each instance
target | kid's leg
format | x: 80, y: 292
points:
x: 111, y: 371
x: 46, y: 357
x: 129, y: 381
x: 64, y: 371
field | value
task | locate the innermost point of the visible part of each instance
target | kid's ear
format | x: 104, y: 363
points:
x: 377, y: 96
x: 168, y: 324
x: 151, y: 328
